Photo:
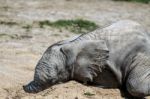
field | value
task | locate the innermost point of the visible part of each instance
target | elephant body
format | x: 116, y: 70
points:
x: 115, y: 56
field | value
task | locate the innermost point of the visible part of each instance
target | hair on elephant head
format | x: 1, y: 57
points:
x: 62, y: 62
x: 86, y: 58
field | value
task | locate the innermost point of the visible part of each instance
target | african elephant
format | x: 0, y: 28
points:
x: 112, y: 57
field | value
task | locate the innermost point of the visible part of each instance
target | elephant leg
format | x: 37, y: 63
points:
x: 138, y: 78
x: 138, y: 87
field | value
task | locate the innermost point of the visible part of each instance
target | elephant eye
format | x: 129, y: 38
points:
x: 104, y: 51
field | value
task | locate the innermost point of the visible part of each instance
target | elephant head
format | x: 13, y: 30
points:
x: 86, y: 59
x: 49, y: 70
x: 60, y: 63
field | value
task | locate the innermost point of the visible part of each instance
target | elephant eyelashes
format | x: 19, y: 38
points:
x: 101, y: 50
x: 102, y: 56
x: 105, y: 51
x: 96, y: 67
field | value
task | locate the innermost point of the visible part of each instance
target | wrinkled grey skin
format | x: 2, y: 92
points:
x: 115, y: 56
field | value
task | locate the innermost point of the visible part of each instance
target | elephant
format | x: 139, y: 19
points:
x: 112, y: 57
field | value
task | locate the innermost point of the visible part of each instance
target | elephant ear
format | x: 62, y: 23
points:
x: 72, y: 50
x: 87, y: 58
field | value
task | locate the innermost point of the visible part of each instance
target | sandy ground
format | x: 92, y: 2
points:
x: 21, y: 48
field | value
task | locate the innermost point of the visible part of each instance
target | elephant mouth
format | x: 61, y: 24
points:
x: 33, y: 87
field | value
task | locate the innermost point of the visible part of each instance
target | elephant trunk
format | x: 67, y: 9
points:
x: 33, y: 87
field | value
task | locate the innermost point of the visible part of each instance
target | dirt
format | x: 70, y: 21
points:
x: 21, y: 48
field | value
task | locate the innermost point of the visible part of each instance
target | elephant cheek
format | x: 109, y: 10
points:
x: 32, y: 87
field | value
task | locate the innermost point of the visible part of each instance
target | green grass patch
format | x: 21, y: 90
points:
x: 14, y: 36
x: 76, y: 26
x: 142, y: 1
x: 55, y: 34
x: 8, y: 23
x: 8, y: 36
x: 89, y: 94
x: 27, y: 27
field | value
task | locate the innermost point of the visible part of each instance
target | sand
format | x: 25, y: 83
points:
x: 21, y: 48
